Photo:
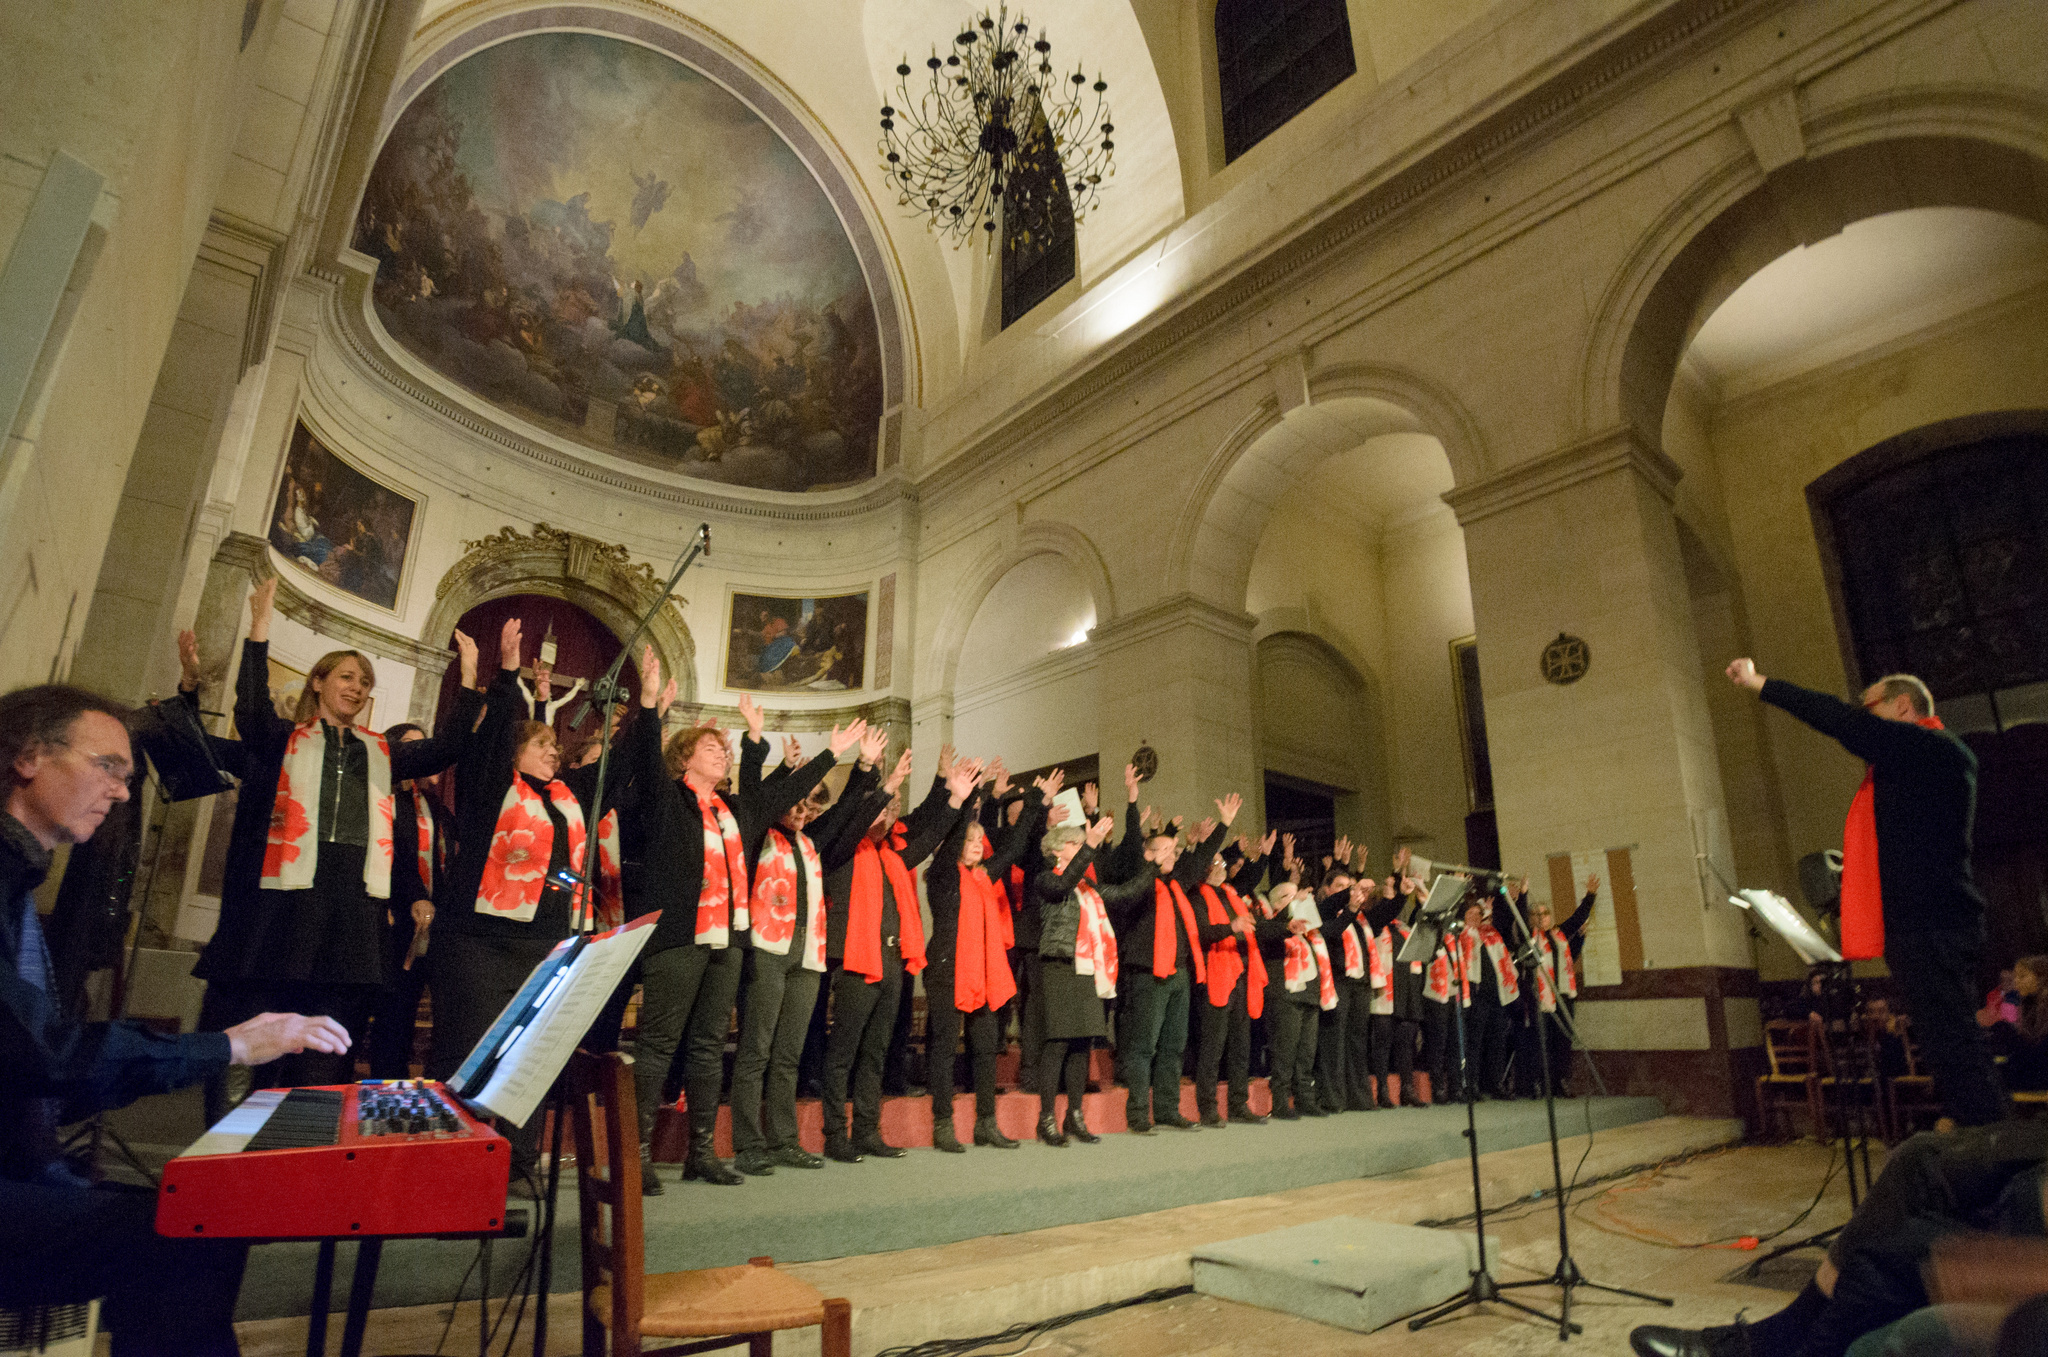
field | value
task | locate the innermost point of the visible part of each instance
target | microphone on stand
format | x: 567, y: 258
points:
x: 704, y: 536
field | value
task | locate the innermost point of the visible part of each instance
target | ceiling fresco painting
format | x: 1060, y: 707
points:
x: 609, y: 245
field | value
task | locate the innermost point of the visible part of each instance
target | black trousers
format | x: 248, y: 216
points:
x: 1293, y: 1028
x: 810, y: 1066
x: 396, y: 1012
x: 1224, y: 1047
x: 1393, y: 1046
x: 944, y: 1023
x: 1530, y: 1040
x: 1937, y: 973
x: 863, y: 1018
x: 780, y: 994
x: 1155, y: 1033
x: 1343, y: 1049
x: 163, y: 1297
x: 899, y: 1066
x: 1440, y: 1051
x: 1030, y: 1007
x: 1932, y: 1186
x: 687, y: 995
x: 1488, y: 1029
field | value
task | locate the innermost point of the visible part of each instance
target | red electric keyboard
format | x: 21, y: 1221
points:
x: 370, y: 1160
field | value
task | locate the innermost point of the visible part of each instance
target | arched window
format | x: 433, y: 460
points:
x: 1038, y: 226
x: 1940, y: 559
x: 1273, y: 59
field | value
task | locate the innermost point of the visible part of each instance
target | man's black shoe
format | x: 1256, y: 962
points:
x: 792, y: 1157
x: 1210, y: 1118
x: 841, y: 1152
x: 1245, y: 1116
x: 874, y: 1145
x: 1177, y: 1122
x: 711, y: 1169
x: 754, y: 1163
x: 1657, y: 1340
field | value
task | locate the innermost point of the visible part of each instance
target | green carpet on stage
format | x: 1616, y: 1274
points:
x: 928, y: 1198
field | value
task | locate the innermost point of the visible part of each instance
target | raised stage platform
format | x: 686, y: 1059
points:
x: 927, y: 1198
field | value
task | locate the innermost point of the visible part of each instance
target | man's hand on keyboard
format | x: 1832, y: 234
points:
x: 268, y: 1036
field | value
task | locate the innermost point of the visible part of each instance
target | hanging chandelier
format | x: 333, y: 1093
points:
x: 952, y: 146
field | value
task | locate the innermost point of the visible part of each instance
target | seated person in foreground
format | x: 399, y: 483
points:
x: 64, y: 761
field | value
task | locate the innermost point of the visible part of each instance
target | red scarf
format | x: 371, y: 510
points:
x: 292, y: 854
x: 722, y: 903
x: 522, y: 845
x: 1166, y: 897
x: 981, y: 965
x: 871, y: 866
x: 423, y: 820
x: 1862, y: 892
x: 785, y: 876
x: 1226, y: 959
x: 1554, y: 959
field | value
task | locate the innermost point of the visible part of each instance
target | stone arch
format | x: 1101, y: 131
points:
x: 1939, y: 151
x: 1219, y: 526
x: 600, y: 579
x: 1067, y: 542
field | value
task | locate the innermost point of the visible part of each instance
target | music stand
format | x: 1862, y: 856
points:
x: 1434, y: 923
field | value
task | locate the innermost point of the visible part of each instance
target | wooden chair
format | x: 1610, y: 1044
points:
x: 1794, y: 1076
x: 720, y: 1307
x: 1910, y: 1096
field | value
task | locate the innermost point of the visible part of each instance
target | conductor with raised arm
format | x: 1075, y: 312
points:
x: 1907, y: 892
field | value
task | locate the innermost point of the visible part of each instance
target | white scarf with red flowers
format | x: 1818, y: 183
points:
x: 1354, y: 951
x: 722, y: 901
x: 1506, y: 987
x: 423, y: 826
x: 1307, y: 955
x: 611, y: 888
x: 522, y: 845
x: 1095, y: 942
x: 292, y: 854
x: 783, y: 877
x: 1554, y: 958
x: 1379, y: 956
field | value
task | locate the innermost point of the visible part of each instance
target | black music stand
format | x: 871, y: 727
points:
x: 1434, y: 924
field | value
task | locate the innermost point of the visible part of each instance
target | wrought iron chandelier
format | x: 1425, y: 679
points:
x: 951, y: 147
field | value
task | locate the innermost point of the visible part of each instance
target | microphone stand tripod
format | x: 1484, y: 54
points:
x: 604, y: 694
x: 1566, y: 1276
x: 1484, y: 1289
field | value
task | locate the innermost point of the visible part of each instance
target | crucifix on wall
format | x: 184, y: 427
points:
x: 542, y: 672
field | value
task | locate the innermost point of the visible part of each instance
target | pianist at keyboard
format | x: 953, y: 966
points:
x: 64, y: 761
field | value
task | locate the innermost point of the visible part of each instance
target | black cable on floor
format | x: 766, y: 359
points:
x: 1024, y: 1333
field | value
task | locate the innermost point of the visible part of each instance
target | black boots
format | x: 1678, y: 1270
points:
x: 703, y: 1161
x: 1077, y: 1127
x: 650, y: 1181
x: 943, y: 1137
x: 871, y: 1143
x: 1049, y: 1132
x: 986, y: 1133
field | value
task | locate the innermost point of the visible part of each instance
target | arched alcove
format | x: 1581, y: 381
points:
x: 1024, y: 686
x: 599, y: 579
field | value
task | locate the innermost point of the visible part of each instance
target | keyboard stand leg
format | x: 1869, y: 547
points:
x: 368, y: 1253
x: 323, y: 1298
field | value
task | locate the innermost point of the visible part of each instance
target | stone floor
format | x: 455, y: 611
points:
x: 1669, y: 1231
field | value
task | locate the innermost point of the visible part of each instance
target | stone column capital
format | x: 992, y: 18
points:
x: 1169, y: 614
x: 1621, y: 448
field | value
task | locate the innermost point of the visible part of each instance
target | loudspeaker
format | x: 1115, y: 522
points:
x: 1820, y: 880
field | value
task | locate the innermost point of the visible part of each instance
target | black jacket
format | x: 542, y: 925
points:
x: 1926, y: 795
x: 924, y: 829
x: 664, y: 867
x: 1060, y: 910
x: 1134, y: 918
x: 83, y: 1066
x: 257, y: 757
x: 942, y: 877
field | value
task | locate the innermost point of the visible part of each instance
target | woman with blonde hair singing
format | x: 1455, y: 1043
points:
x: 303, y: 908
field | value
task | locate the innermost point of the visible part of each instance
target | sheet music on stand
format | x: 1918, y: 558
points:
x: 1437, y: 907
x: 1787, y: 923
x: 512, y: 1068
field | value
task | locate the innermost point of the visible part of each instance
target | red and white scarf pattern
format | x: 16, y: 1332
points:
x: 782, y: 878
x: 1354, y: 951
x: 1507, y: 988
x: 1554, y: 959
x: 1379, y: 956
x: 1307, y: 955
x: 722, y: 902
x: 611, y: 884
x: 522, y: 845
x: 423, y: 821
x: 1095, y: 943
x: 292, y: 854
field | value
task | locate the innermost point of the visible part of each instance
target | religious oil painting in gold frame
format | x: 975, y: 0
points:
x: 802, y: 644
x: 334, y: 521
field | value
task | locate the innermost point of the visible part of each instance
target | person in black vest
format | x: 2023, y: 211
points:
x: 417, y: 861
x: 787, y: 960
x: 969, y: 978
x: 1078, y: 966
x: 65, y: 761
x: 1235, y: 990
x: 1298, y: 986
x: 878, y: 933
x: 522, y: 827
x: 1162, y: 944
x: 310, y: 863
x: 1911, y: 890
